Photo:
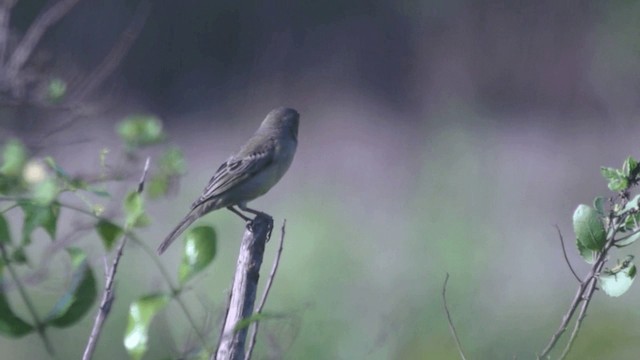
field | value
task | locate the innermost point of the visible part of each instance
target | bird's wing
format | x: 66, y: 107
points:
x: 236, y: 170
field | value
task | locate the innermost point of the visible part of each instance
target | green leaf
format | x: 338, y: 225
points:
x: 140, y: 130
x: 14, y: 156
x: 629, y: 168
x: 631, y: 223
x: 19, y: 256
x: 157, y: 186
x: 11, y: 325
x: 45, y: 192
x: 56, y: 90
x: 632, y: 204
x: 39, y: 216
x: 172, y: 162
x: 79, y: 297
x: 588, y: 228
x: 134, y: 210
x: 5, y: 233
x: 617, y: 180
x: 616, y: 282
x: 141, y: 312
x: 199, y: 251
x: 589, y: 256
x: 598, y: 204
x: 609, y: 173
x: 10, y: 185
x: 109, y: 233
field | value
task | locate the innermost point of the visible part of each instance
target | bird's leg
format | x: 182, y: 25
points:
x: 244, y: 207
x: 245, y: 218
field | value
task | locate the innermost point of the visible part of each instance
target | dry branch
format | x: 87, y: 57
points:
x: 265, y: 295
x: 35, y: 32
x: 244, y: 289
x: 117, y: 52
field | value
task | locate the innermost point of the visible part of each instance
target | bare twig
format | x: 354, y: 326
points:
x: 566, y: 258
x: 35, y: 32
x: 565, y: 319
x: 143, y: 176
x: 583, y: 310
x: 244, y: 289
x: 451, y: 326
x: 109, y: 291
x: 117, y: 53
x: 254, y: 328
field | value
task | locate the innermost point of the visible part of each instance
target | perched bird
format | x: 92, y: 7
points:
x: 250, y: 173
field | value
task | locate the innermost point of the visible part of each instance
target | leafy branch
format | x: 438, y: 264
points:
x: 599, y: 230
x: 597, y: 233
x: 42, y: 189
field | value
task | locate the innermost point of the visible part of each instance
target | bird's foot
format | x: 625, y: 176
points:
x: 253, y: 224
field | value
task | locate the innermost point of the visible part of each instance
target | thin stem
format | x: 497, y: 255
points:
x: 451, y: 326
x: 81, y: 210
x: 11, y: 198
x: 254, y: 329
x: 27, y: 300
x: 63, y: 205
x: 627, y: 236
x: 9, y: 208
x: 566, y: 258
x: 175, y: 290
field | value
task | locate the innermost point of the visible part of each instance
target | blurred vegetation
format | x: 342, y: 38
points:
x: 43, y: 191
x: 440, y: 136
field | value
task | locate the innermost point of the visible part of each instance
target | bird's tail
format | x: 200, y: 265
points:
x: 192, y: 216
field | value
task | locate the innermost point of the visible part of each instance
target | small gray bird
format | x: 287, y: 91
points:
x: 250, y: 173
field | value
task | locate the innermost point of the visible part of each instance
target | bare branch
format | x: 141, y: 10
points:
x: 566, y: 258
x: 244, y: 289
x: 35, y: 32
x: 451, y: 326
x: 5, y: 19
x: 117, y: 53
x: 254, y: 329
x: 109, y: 291
x: 224, y: 318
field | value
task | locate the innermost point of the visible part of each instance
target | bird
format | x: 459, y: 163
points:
x: 249, y: 173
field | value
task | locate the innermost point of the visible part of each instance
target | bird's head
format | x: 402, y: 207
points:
x: 282, y: 120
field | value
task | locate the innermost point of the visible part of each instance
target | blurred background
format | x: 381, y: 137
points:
x: 436, y: 137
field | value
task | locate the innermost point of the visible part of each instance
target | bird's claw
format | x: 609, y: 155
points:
x: 252, y: 223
